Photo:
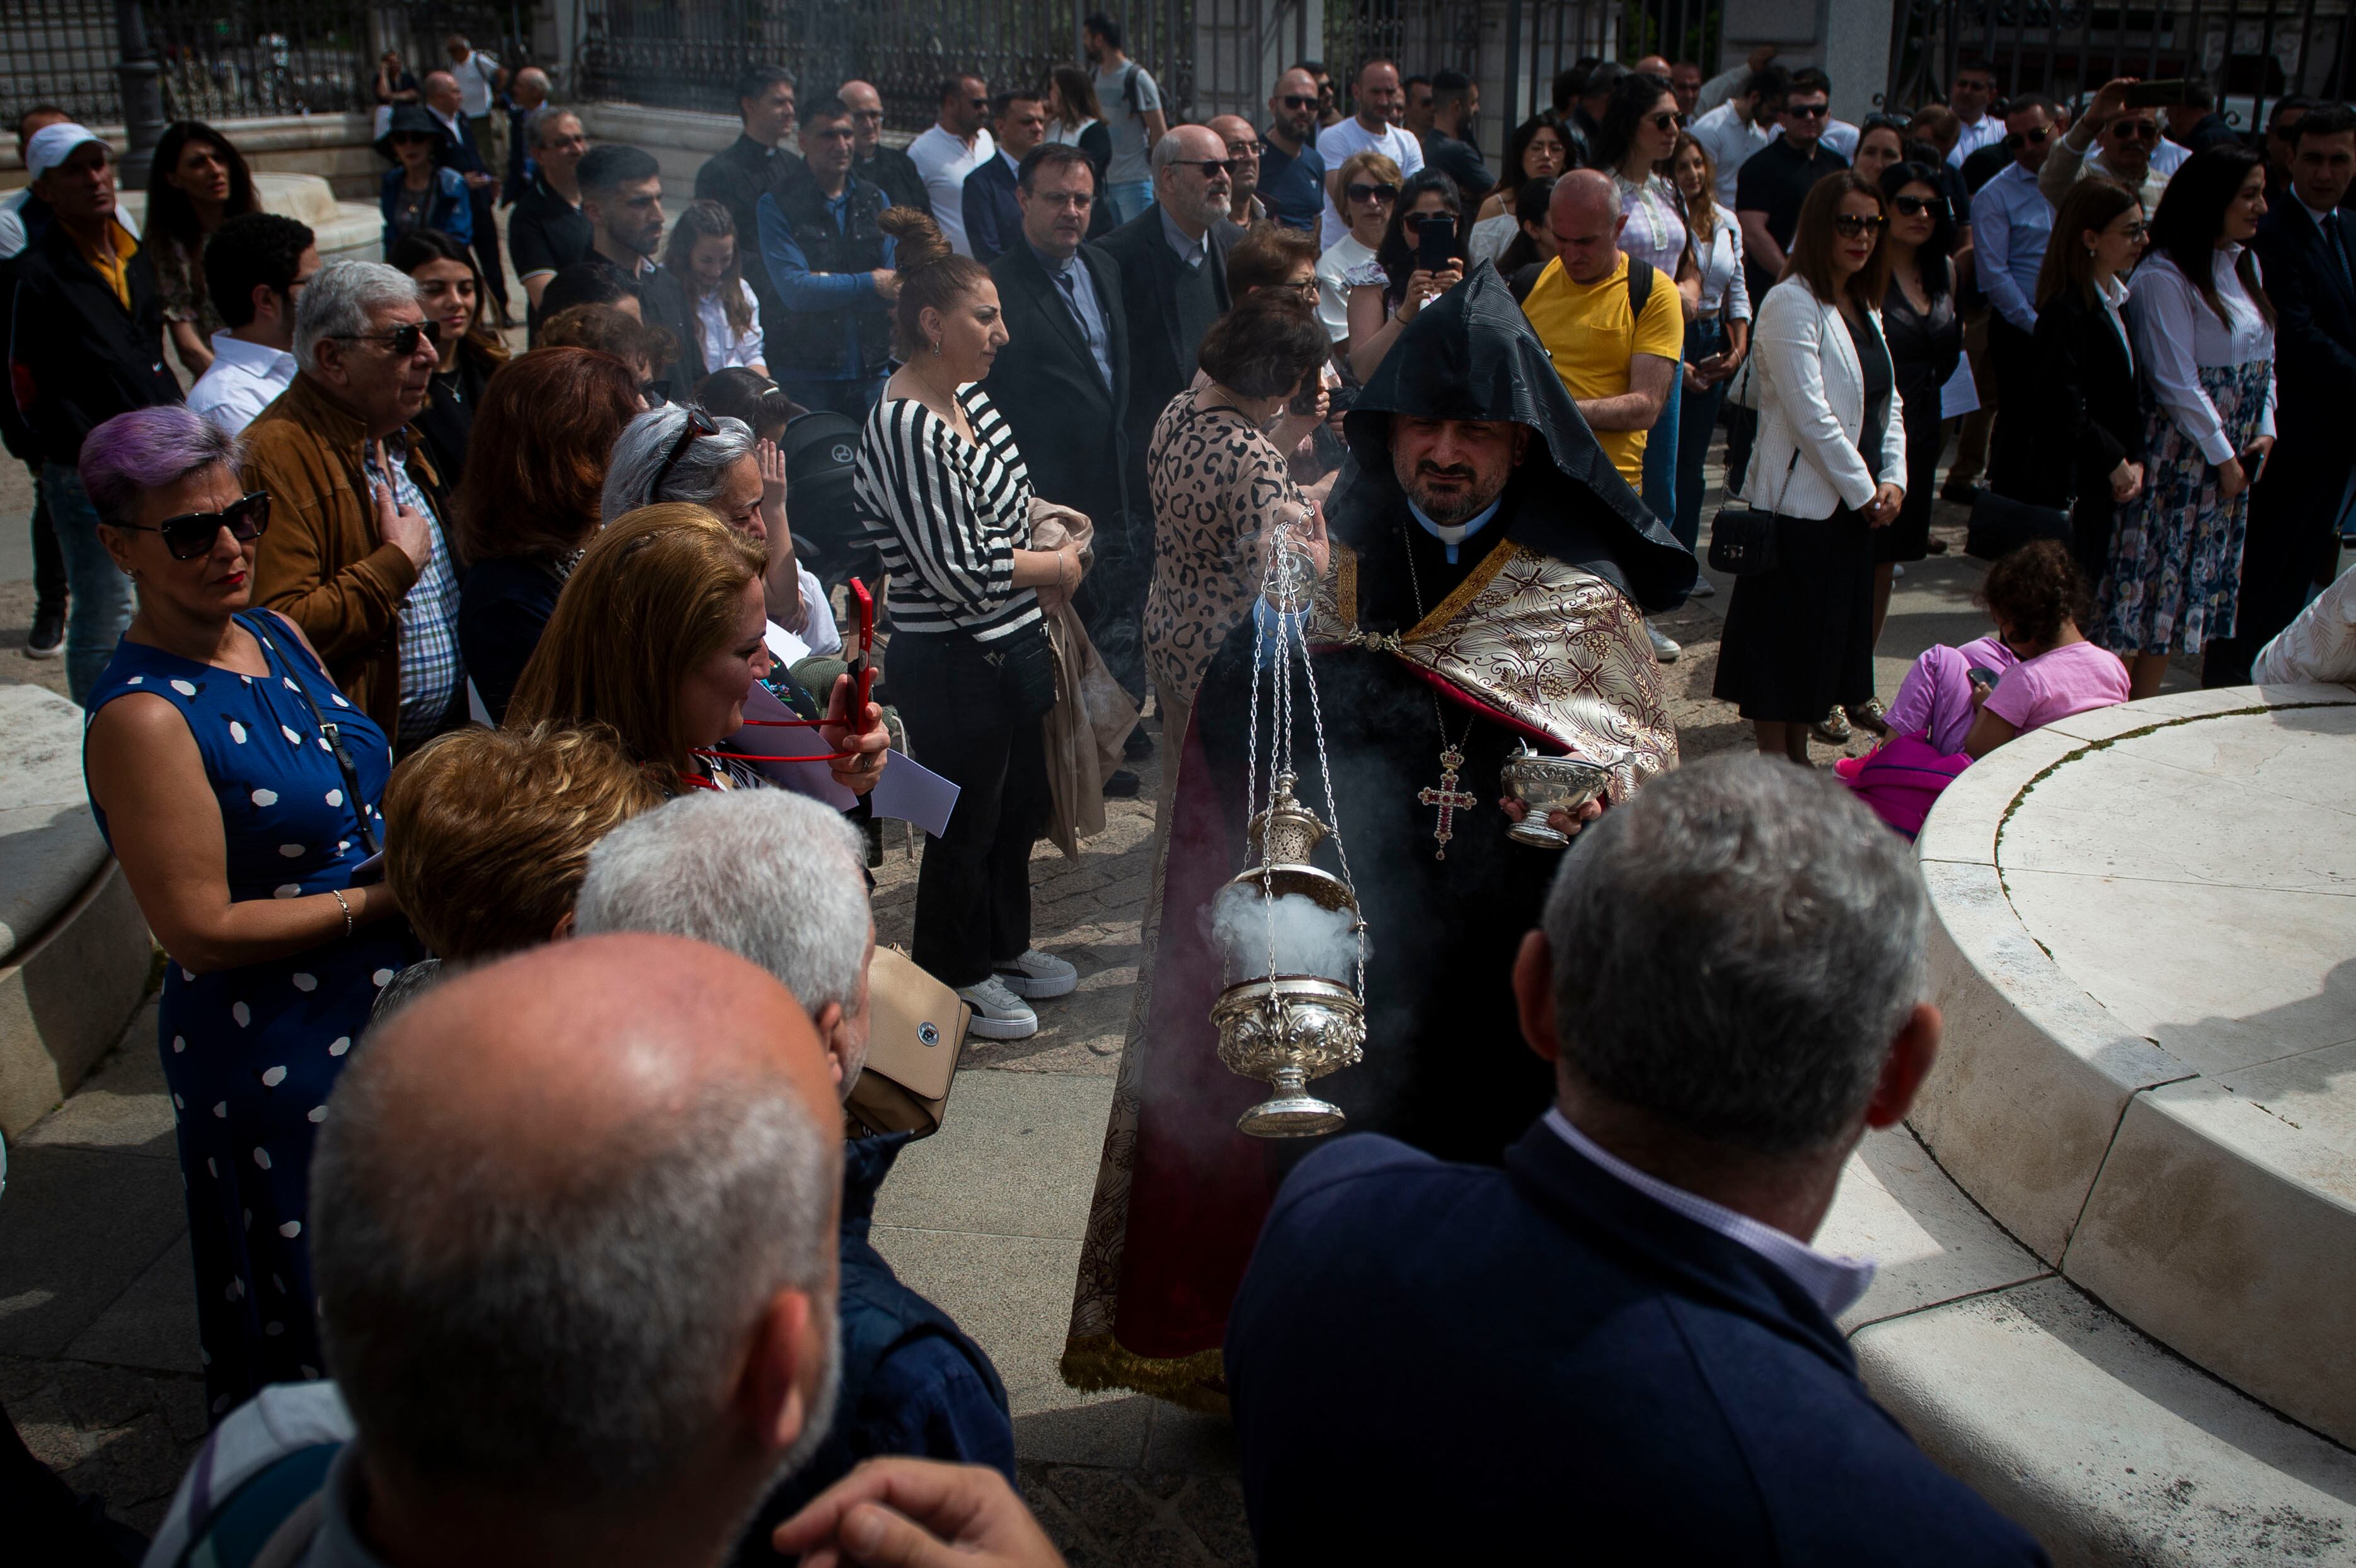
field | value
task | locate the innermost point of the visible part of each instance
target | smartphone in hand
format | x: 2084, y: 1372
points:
x: 2160, y: 95
x: 1435, y: 247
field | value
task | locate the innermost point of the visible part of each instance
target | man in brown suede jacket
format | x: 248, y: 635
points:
x: 355, y: 554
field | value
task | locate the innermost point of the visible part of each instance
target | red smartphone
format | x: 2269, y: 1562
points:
x: 862, y: 663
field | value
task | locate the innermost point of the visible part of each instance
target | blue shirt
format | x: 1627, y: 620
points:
x: 815, y: 293
x: 1078, y: 291
x: 1293, y: 189
x: 2012, y: 221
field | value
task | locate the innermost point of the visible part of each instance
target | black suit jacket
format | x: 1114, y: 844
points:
x: 1161, y: 366
x: 993, y: 220
x: 2092, y: 419
x: 1068, y: 425
x: 1588, y: 1364
x: 2315, y: 326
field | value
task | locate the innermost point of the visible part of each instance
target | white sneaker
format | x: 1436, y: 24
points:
x: 1038, y: 976
x: 999, y: 1013
x: 1665, y: 647
x: 1703, y: 588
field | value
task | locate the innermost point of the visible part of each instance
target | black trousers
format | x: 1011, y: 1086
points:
x: 1110, y: 599
x: 973, y: 893
x: 486, y: 243
x: 48, y: 556
x: 2012, y: 450
x: 2291, y: 545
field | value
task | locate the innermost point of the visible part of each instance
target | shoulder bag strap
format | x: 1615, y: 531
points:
x: 331, y: 731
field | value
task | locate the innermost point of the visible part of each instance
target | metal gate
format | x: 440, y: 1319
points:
x: 2252, y: 52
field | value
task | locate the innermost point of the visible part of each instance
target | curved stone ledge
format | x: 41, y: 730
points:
x: 2145, y: 951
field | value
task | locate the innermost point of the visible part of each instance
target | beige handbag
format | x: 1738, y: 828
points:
x: 915, y: 1033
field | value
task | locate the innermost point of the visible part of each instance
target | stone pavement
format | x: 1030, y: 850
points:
x: 98, y: 1355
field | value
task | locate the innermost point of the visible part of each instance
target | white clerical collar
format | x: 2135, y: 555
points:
x: 1832, y: 1283
x: 1456, y: 535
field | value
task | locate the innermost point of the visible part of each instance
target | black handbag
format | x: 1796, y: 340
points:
x: 1742, y: 538
x: 2001, y: 525
x: 1026, y: 671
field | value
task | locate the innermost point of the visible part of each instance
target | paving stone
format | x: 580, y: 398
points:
x: 104, y: 1397
x: 1213, y: 1507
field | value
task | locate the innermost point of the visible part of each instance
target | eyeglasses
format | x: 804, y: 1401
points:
x: 868, y: 116
x: 2035, y: 138
x: 1295, y: 101
x: 191, y: 534
x: 1916, y: 206
x: 2136, y: 232
x: 2136, y: 130
x: 404, y: 338
x: 1807, y: 111
x: 1372, y: 193
x: 1244, y: 150
x: 1668, y: 120
x: 1212, y: 167
x: 1849, y: 225
x: 697, y: 423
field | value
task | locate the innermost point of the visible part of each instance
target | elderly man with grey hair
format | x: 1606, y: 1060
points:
x: 1624, y: 1333
x: 572, y: 1317
x: 779, y: 879
x: 356, y: 554
x: 547, y: 231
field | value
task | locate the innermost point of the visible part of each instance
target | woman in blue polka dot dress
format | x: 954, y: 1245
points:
x: 213, y: 759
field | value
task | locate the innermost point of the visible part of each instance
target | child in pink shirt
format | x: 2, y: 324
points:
x: 1958, y: 704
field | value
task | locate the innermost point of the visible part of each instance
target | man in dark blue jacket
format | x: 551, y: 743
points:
x: 2307, y: 247
x: 1622, y: 1342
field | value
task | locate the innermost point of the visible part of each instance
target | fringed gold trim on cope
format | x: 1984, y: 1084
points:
x: 1097, y: 1362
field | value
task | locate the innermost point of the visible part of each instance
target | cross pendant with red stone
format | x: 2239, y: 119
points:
x: 1447, y: 799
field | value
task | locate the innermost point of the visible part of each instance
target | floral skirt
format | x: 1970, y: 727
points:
x: 2175, y: 565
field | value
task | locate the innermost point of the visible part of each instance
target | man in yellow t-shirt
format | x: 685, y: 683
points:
x: 1619, y: 363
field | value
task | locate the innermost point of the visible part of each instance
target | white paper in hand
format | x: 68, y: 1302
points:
x: 1959, y: 396
x: 811, y: 779
x: 914, y: 794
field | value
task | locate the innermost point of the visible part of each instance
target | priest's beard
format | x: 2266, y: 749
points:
x: 1453, y: 506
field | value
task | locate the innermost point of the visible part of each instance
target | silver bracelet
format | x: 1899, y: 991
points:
x: 345, y: 907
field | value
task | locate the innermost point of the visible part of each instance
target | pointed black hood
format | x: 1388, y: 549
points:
x: 1472, y: 355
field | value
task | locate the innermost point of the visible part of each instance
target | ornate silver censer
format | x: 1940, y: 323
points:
x: 1281, y: 921
x: 1546, y: 784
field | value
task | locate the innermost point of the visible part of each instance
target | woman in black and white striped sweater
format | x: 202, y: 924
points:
x: 944, y: 491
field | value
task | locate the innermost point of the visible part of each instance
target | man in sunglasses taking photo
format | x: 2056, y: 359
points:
x: 356, y: 554
x: 2113, y: 142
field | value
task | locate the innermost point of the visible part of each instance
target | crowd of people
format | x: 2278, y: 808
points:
x: 418, y: 664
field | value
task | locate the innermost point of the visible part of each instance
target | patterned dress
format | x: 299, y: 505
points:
x: 250, y: 1053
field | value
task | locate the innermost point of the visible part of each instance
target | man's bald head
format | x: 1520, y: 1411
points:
x: 1584, y: 214
x: 441, y: 92
x: 1240, y: 142
x: 1193, y: 199
x: 530, y: 87
x: 561, y: 1205
x: 866, y: 106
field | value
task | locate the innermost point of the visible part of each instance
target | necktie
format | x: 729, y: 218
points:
x: 2338, y: 248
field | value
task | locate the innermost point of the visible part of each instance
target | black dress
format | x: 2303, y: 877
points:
x: 1924, y: 348
x: 1799, y: 639
x: 448, y: 416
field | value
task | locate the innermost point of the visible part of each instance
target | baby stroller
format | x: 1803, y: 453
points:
x: 820, y: 449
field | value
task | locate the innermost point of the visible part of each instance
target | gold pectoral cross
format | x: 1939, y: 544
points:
x: 1447, y: 799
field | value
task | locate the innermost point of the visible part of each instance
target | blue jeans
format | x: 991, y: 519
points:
x: 1660, y: 472
x: 102, y: 603
x: 1697, y: 417
x: 1129, y: 198
x: 853, y: 399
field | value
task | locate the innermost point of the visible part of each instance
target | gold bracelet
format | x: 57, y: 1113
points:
x: 345, y: 908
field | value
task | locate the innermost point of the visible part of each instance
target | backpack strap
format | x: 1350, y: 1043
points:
x: 1640, y: 289
x: 269, y: 1520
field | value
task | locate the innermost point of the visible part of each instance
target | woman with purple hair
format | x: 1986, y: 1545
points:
x: 239, y: 790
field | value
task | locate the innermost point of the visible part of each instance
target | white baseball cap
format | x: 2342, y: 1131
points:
x: 53, y: 145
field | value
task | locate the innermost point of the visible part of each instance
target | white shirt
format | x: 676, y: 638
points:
x: 1724, y: 294
x: 1065, y: 135
x: 2319, y: 645
x: 1342, y: 258
x: 1654, y: 232
x: 725, y: 347
x: 2113, y: 295
x: 1344, y: 140
x: 1834, y: 1284
x: 1730, y: 140
x: 2177, y: 337
x: 244, y: 379
x: 945, y: 161
x: 475, y: 73
x: 1985, y: 132
x: 1491, y: 238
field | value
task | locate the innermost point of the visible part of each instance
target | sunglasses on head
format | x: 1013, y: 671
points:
x: 404, y: 338
x: 1372, y: 193
x: 1916, y: 206
x: 1667, y: 120
x: 2140, y: 129
x: 191, y: 534
x: 697, y: 423
x: 1849, y: 225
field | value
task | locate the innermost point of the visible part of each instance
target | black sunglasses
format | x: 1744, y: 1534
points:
x: 404, y: 337
x: 1372, y: 193
x: 1915, y: 206
x: 1294, y: 101
x: 2036, y: 135
x: 1668, y: 120
x: 1212, y: 167
x: 1852, y: 224
x: 1417, y: 220
x: 1807, y: 111
x: 191, y: 534
x: 2142, y: 130
x: 697, y: 423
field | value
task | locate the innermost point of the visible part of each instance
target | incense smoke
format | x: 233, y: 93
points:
x: 1308, y: 938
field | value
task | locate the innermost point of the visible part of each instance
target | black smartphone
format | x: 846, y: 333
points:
x: 1435, y: 247
x: 2155, y: 94
x: 1982, y: 677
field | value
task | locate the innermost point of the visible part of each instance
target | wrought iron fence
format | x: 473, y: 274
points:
x: 2252, y: 52
x: 253, y: 57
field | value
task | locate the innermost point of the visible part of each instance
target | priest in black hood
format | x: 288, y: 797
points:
x: 1490, y: 576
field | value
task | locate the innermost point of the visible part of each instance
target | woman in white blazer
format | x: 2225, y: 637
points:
x: 1830, y: 463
